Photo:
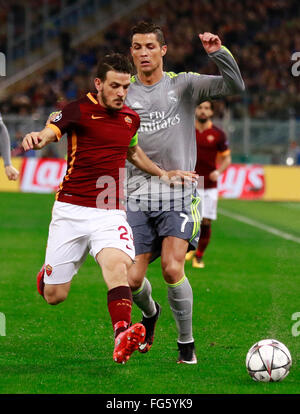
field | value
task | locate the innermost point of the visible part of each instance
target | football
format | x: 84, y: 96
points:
x: 268, y: 361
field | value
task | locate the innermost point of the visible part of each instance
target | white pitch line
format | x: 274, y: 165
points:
x: 261, y: 226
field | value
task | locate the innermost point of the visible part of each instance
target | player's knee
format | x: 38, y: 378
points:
x: 135, y: 277
x: 134, y: 284
x: 116, y: 269
x: 172, y: 269
x: 114, y: 262
x: 54, y: 295
x: 53, y: 300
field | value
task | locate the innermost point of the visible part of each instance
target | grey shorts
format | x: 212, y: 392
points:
x: 150, y: 227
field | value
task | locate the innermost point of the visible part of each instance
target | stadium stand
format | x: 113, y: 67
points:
x: 261, y: 35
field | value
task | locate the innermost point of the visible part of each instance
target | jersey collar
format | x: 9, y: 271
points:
x: 92, y: 98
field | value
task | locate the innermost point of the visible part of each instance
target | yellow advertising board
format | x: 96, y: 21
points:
x: 241, y: 181
x: 5, y: 184
x: 281, y: 183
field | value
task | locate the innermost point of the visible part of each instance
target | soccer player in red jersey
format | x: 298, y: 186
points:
x: 213, y: 157
x: 88, y: 215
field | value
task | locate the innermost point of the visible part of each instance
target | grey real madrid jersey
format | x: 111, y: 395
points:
x: 167, y: 112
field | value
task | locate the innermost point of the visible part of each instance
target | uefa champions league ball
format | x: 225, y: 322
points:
x: 268, y: 361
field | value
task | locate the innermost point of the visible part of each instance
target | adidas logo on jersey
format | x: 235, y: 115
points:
x: 137, y: 105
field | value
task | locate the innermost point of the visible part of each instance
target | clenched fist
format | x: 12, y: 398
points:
x: 210, y: 42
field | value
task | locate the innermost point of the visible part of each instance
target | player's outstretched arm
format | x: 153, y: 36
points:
x: 137, y: 157
x: 229, y: 83
x: 38, y: 140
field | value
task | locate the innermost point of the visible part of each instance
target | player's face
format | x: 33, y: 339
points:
x: 147, y: 53
x: 113, y: 91
x: 204, y: 112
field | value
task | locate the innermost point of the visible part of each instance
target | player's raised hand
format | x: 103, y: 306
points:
x: 210, y: 42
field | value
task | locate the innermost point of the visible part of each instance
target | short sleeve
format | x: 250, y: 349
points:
x: 223, y: 144
x: 65, y: 120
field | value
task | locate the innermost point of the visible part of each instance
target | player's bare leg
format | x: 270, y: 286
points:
x: 138, y: 270
x: 55, y: 294
x: 204, y: 240
x: 142, y: 297
x: 115, y: 265
x: 180, y: 295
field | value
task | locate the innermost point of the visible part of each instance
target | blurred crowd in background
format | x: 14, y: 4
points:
x: 262, y: 35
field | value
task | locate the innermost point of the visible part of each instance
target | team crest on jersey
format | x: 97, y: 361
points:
x: 58, y: 117
x: 48, y: 270
x: 210, y: 138
x: 128, y: 121
x: 172, y: 97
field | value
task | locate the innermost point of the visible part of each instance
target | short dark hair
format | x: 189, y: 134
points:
x: 211, y: 103
x: 148, y: 27
x: 116, y: 62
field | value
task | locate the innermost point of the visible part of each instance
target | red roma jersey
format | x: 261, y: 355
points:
x: 210, y: 143
x: 98, y: 141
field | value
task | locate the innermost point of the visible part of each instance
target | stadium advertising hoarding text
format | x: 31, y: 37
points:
x: 240, y: 181
x: 243, y: 182
x: 42, y: 175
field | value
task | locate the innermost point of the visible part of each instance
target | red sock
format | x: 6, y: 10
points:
x: 205, y: 233
x: 119, y: 302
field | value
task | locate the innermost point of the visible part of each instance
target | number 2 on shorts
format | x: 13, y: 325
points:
x: 124, y: 234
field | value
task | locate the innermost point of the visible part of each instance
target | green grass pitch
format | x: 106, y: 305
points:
x: 248, y: 291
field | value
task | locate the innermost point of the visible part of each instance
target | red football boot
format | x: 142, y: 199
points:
x: 40, y: 281
x: 127, y: 342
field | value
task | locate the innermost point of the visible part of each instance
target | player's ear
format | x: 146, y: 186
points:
x: 164, y: 50
x: 98, y: 84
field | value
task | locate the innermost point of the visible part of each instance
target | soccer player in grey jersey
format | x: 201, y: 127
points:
x: 166, y: 104
x: 11, y: 172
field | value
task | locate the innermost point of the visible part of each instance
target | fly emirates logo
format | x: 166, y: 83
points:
x: 157, y: 121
